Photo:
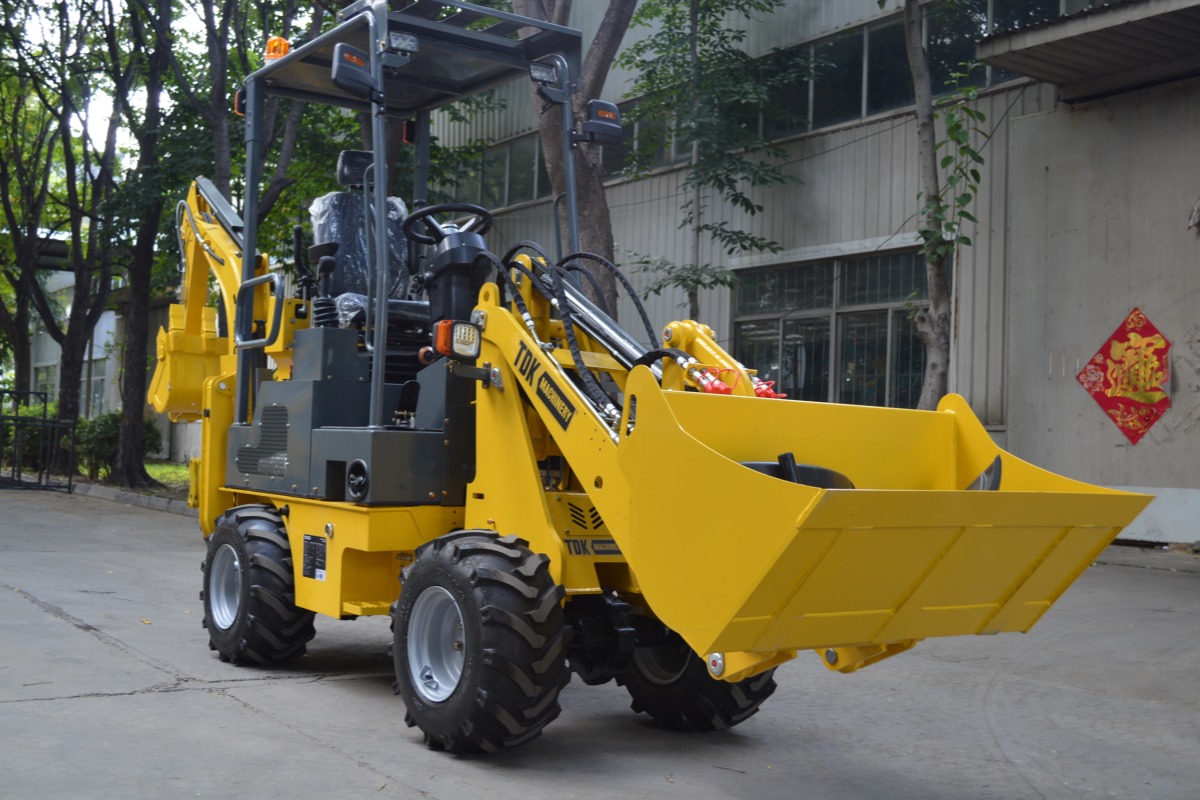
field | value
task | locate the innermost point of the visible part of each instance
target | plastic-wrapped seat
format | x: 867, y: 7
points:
x: 339, y: 217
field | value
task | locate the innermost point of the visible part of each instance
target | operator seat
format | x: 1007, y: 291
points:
x: 340, y: 217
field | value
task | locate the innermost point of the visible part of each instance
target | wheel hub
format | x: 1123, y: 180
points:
x: 225, y: 586
x: 661, y: 665
x: 436, y: 644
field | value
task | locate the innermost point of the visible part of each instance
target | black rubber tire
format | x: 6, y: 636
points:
x: 671, y: 684
x: 252, y: 590
x: 513, y: 648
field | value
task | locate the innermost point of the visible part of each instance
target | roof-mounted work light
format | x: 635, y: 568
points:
x: 402, y: 42
x: 544, y: 74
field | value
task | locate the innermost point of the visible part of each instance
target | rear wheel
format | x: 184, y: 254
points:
x: 249, y: 590
x: 480, y: 642
x: 671, y: 684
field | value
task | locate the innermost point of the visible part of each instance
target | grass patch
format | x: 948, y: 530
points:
x: 174, y: 476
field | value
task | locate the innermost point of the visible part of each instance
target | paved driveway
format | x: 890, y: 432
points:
x: 108, y: 690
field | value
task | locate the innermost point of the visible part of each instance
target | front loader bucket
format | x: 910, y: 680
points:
x: 737, y: 560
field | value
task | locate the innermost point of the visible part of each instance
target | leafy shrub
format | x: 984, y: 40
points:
x: 96, y: 442
x: 32, y: 451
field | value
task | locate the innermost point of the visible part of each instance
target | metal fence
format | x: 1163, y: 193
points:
x: 36, y: 452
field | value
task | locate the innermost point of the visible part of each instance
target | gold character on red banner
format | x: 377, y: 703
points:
x: 1129, y: 376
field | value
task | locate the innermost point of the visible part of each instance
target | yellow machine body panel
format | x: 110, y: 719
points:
x: 348, y: 557
x: 210, y: 498
x: 362, y: 551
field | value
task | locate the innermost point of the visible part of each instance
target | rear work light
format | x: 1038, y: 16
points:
x: 455, y: 339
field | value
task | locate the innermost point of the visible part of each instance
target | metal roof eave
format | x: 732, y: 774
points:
x: 1104, y: 50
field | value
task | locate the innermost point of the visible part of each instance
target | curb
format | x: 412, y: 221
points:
x: 151, y: 502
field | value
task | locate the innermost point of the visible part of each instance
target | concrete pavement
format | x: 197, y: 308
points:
x: 108, y: 690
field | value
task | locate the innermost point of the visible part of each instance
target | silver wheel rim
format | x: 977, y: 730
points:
x: 436, y: 644
x: 225, y: 586
x: 661, y: 665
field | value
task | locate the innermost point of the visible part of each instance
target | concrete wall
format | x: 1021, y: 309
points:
x: 1099, y: 196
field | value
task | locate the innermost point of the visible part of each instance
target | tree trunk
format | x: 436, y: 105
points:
x: 88, y: 188
x: 216, y: 114
x: 933, y: 323
x: 26, y: 165
x: 129, y: 467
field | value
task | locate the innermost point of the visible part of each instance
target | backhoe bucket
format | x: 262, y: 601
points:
x: 738, y: 560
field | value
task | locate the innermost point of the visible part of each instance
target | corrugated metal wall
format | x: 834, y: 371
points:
x: 857, y: 186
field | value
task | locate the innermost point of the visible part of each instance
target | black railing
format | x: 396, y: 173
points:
x: 36, y: 452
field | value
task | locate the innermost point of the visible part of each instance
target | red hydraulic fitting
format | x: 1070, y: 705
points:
x: 766, y: 389
x: 712, y: 384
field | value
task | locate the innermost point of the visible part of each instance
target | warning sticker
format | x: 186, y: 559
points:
x: 314, y: 557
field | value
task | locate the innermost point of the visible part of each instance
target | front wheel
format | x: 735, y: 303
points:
x: 480, y: 642
x: 249, y: 590
x: 671, y: 684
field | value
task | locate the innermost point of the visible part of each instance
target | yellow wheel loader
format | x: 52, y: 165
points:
x: 461, y: 439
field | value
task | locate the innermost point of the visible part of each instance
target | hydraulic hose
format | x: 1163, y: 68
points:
x: 590, y: 385
x: 624, y: 281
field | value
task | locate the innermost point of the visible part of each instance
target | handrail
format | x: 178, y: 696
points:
x: 276, y: 320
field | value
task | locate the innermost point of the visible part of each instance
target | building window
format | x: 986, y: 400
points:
x: 864, y: 70
x: 1011, y: 15
x: 789, y: 113
x: 509, y: 173
x: 889, y: 80
x: 951, y: 30
x: 837, y: 91
x: 838, y: 331
x: 45, y: 379
x: 91, y: 392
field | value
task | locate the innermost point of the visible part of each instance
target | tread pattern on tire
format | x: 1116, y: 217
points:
x: 696, y: 702
x: 512, y: 692
x: 269, y: 628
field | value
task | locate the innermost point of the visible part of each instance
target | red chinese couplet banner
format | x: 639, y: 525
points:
x: 1129, y: 376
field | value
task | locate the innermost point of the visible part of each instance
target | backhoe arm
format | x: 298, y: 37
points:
x: 190, y: 348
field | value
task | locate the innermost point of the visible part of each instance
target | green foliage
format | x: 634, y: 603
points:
x: 941, y: 230
x: 32, y: 454
x: 326, y: 131
x: 698, y: 89
x: 667, y: 274
x: 96, y: 442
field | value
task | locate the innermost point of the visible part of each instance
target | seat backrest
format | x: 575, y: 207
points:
x: 338, y: 217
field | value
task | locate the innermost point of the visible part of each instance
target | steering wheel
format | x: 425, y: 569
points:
x: 434, y: 233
